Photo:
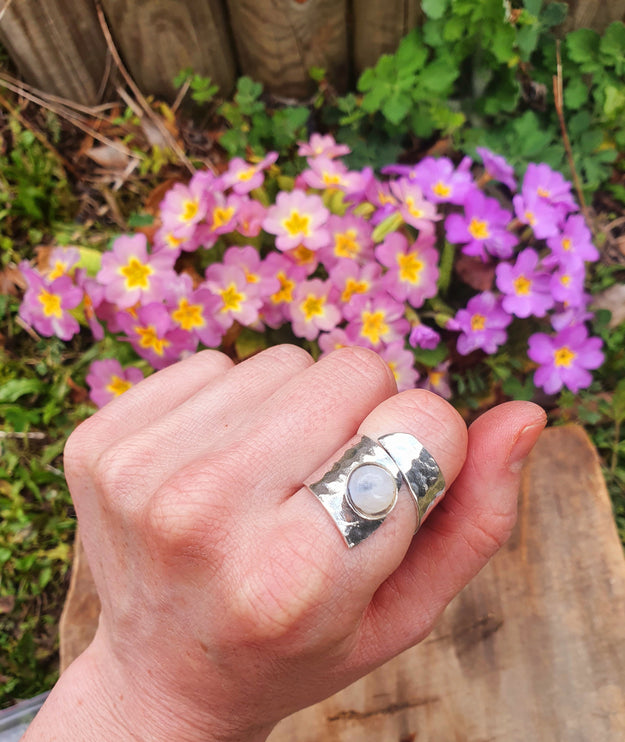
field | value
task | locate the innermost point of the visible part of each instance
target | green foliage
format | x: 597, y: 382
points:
x: 256, y: 129
x: 203, y: 89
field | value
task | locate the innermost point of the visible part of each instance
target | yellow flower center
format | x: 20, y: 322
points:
x: 414, y: 210
x: 565, y: 280
x: 171, y: 241
x: 393, y: 366
x: 247, y: 174
x: 232, y: 299
x: 302, y: 255
x: 312, y: 306
x: 346, y: 245
x: 373, y: 326
x: 331, y: 179
x: 352, y: 286
x: 531, y: 218
x: 117, y: 385
x: 251, y: 277
x: 410, y: 267
x: 149, y: 339
x: 478, y: 321
x: 188, y: 315
x: 441, y: 189
x: 435, y: 377
x: 543, y: 192
x: 384, y: 198
x: 297, y: 224
x: 222, y: 216
x: 564, y: 356
x: 189, y: 209
x: 522, y: 285
x: 51, y: 304
x: 136, y: 274
x: 285, y: 293
x: 58, y: 270
x: 479, y: 229
x: 566, y: 243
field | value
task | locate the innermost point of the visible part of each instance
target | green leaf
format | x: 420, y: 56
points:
x: 396, y: 107
x: 12, y: 390
x: 614, y: 103
x: 434, y: 8
x: 431, y: 358
x: 527, y: 38
x: 439, y: 76
x: 554, y: 14
x: 502, y: 45
x: 575, y: 93
x: 533, y: 6
x: 582, y: 45
x: 411, y: 53
x: 612, y: 45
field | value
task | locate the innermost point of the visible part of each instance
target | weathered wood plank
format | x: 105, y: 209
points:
x: 278, y: 41
x: 159, y: 38
x: 597, y: 14
x: 379, y: 26
x: 57, y: 46
x: 532, y: 649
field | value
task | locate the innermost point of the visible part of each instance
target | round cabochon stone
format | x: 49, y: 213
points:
x: 371, y: 490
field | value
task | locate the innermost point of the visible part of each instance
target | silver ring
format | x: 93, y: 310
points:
x: 363, y: 485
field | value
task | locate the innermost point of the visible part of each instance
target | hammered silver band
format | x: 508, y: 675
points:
x: 408, y: 466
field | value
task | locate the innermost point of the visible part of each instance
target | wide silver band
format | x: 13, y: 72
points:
x: 408, y: 465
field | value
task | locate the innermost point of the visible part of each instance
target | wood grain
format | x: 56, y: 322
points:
x: 278, y: 41
x: 379, y: 26
x: 57, y: 46
x: 159, y: 38
x: 532, y: 649
x: 597, y: 14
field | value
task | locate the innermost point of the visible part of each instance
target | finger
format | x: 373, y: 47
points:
x: 311, y: 564
x: 149, y: 400
x: 464, y: 531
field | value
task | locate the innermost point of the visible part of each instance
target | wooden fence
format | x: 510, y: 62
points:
x: 59, y: 45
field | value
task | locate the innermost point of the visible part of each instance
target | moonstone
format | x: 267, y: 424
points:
x: 371, y: 490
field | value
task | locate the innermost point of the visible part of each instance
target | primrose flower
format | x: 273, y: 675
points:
x: 46, y: 304
x: 375, y: 320
x: 239, y: 300
x: 311, y: 310
x: 61, y: 262
x: 498, y: 167
x: 322, y: 146
x: 540, y: 215
x: 482, y: 228
x: 567, y: 284
x: 401, y: 363
x: 572, y: 315
x: 251, y: 215
x: 350, y: 237
x: 185, y: 206
x: 243, y: 176
x: 412, y: 268
x: 437, y: 380
x: 193, y: 311
x: 441, y: 182
x: 333, y: 340
x: 154, y: 335
x: 413, y: 206
x: 573, y: 241
x: 130, y: 275
x: 260, y: 277
x: 565, y: 359
x: 327, y: 174
x: 298, y: 219
x: 275, y: 309
x: 349, y: 278
x: 482, y: 324
x: 542, y: 182
x: 221, y: 217
x: 422, y: 336
x: 527, y: 290
x: 107, y: 379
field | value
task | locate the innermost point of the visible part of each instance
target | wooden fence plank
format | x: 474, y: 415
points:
x: 159, y: 38
x: 379, y: 26
x: 532, y: 649
x: 278, y: 41
x: 597, y: 14
x: 57, y: 45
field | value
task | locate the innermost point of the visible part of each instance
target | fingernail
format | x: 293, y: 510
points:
x: 523, y: 445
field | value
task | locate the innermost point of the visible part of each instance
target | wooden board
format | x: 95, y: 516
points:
x: 159, y: 38
x: 532, y: 649
x: 278, y: 41
x: 379, y: 26
x: 597, y: 14
x: 57, y: 46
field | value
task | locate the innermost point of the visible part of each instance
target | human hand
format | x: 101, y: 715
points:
x: 229, y: 598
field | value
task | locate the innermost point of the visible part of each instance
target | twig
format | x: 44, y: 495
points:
x: 558, y: 95
x: 181, y: 94
x: 27, y: 328
x: 34, y: 435
x: 4, y: 10
x: 65, y: 164
x: 156, y: 120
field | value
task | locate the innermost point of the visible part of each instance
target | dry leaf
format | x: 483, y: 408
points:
x: 110, y: 158
x: 474, y: 272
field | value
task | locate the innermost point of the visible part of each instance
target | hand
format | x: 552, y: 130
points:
x: 229, y: 598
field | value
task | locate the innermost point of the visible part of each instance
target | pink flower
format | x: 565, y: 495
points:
x: 185, y: 206
x: 482, y: 324
x: 311, y: 309
x: 527, y: 290
x: 322, y: 146
x: 193, y: 311
x: 243, y: 176
x: 46, y: 304
x: 251, y: 216
x: 422, y: 336
x: 260, y: 278
x: 401, y: 363
x: 333, y: 340
x: 441, y: 182
x: 412, y: 268
x: 498, y: 167
x: 239, y: 300
x: 350, y: 237
x: 154, y: 335
x: 275, y: 309
x: 130, y: 275
x: 107, y: 379
x: 437, y: 380
x: 349, y: 278
x: 375, y: 320
x: 415, y: 209
x: 482, y: 229
x: 574, y: 242
x: 298, y: 219
x: 61, y: 262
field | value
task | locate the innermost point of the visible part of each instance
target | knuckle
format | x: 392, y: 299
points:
x: 366, y: 365
x: 287, y: 355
